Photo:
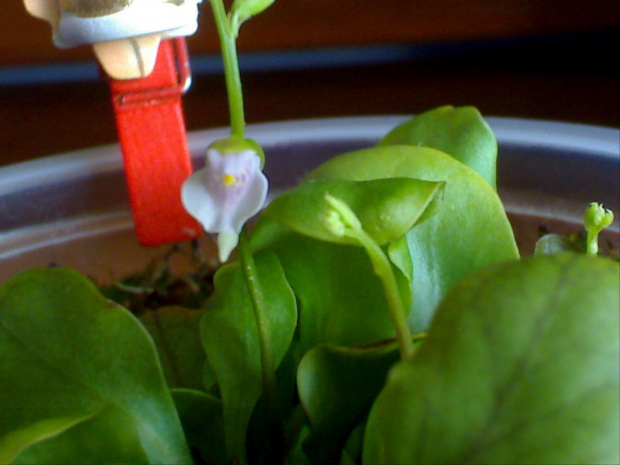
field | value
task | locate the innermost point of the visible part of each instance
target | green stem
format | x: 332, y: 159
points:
x: 250, y: 274
x: 231, y: 69
x: 383, y: 269
x: 341, y: 221
x: 592, y: 243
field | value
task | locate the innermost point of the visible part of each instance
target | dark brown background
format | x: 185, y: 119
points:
x: 546, y: 59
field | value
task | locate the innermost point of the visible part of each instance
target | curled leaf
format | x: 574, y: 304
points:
x: 468, y: 232
x: 385, y: 208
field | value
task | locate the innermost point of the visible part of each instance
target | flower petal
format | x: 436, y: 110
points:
x: 226, y: 243
x: 227, y: 192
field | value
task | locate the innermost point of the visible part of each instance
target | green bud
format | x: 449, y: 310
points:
x: 342, y: 209
x: 596, y: 218
x: 242, y: 10
x: 334, y: 224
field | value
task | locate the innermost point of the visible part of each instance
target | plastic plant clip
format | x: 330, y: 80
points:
x: 152, y: 135
x: 140, y: 45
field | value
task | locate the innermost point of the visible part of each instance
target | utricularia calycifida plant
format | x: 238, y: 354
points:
x: 377, y: 313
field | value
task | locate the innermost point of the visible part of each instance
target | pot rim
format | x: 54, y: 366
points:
x: 590, y: 140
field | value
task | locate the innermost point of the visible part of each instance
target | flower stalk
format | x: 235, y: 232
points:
x: 231, y: 69
x: 341, y: 221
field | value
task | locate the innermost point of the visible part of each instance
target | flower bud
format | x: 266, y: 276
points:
x: 597, y: 217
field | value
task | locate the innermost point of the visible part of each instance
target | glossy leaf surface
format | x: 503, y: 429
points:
x: 83, y: 443
x: 337, y: 387
x: 230, y: 337
x: 176, y: 332
x: 203, y: 423
x: 520, y: 366
x: 469, y: 232
x: 460, y: 132
x: 341, y: 299
x: 68, y: 355
x: 386, y: 208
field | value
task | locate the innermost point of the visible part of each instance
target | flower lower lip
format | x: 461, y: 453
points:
x: 221, y: 200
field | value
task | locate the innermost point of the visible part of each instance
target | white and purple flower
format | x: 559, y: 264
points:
x: 226, y: 193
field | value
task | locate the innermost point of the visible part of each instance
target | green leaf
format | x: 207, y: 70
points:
x: 82, y: 444
x: 203, y: 423
x: 469, y: 232
x: 459, y: 132
x: 176, y: 332
x: 555, y: 244
x: 341, y: 299
x: 230, y: 337
x: 242, y: 10
x: 337, y: 387
x: 297, y: 456
x: 386, y: 208
x: 400, y: 256
x: 520, y: 366
x: 67, y: 356
x: 16, y: 441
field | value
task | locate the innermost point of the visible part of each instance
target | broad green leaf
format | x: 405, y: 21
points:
x: 341, y: 299
x: 16, y: 441
x: 468, y: 232
x: 230, y: 338
x: 337, y: 387
x: 520, y: 366
x: 67, y: 353
x: 176, y: 332
x: 203, y: 423
x: 387, y: 208
x: 109, y: 437
x: 459, y: 132
x: 355, y: 443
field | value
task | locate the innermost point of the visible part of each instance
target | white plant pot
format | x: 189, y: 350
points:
x: 72, y: 209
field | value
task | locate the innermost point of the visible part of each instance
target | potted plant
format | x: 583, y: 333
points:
x: 378, y: 312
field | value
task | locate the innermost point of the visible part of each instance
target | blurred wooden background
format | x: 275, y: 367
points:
x: 547, y: 59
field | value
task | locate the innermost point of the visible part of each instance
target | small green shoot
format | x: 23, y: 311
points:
x: 342, y: 221
x: 596, y: 219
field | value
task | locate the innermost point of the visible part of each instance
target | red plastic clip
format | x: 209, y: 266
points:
x: 151, y: 131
